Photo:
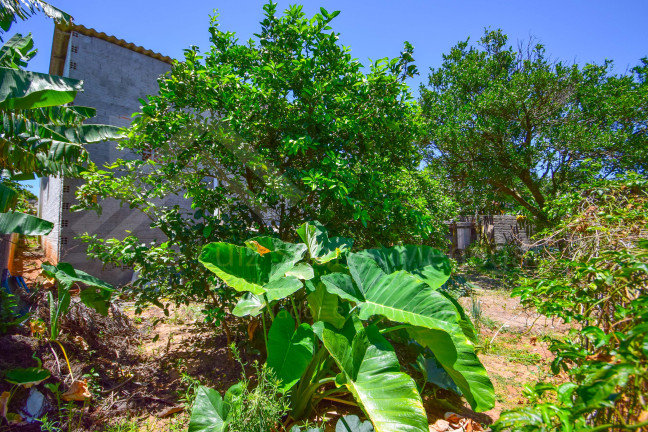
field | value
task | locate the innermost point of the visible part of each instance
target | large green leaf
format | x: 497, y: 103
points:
x: 16, y: 51
x: 27, y: 376
x: 87, y: 133
x: 325, y: 306
x: 209, y: 413
x: 23, y: 9
x: 95, y: 295
x: 8, y: 197
x: 371, y: 371
x: 249, y: 304
x: 21, y: 223
x: 428, y: 264
x: 457, y: 356
x: 68, y: 275
x: 302, y: 271
x: 290, y: 350
x: 352, y: 423
x: 404, y: 298
x: 281, y: 288
x: 21, y: 89
x: 320, y: 247
x: 434, y: 373
x: 250, y: 268
x: 342, y: 285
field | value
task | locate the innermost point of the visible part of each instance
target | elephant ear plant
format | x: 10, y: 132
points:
x: 354, y: 300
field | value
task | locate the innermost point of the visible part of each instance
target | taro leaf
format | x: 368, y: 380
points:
x: 291, y: 251
x: 20, y: 89
x: 434, y: 373
x: 464, y: 321
x: 68, y: 275
x: 403, y: 298
x: 249, y: 304
x: 425, y: 263
x: 209, y: 413
x: 96, y: 295
x: 302, y: 271
x: 342, y: 285
x: 21, y: 223
x: 320, y: 247
x: 282, y: 288
x: 27, y: 377
x: 290, y: 350
x: 457, y: 356
x: 371, y: 372
x: 325, y: 306
x: 97, y: 299
x: 352, y: 423
x: 250, y: 268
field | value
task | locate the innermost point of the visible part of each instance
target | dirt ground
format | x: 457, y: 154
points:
x: 514, y: 340
x: 143, y: 369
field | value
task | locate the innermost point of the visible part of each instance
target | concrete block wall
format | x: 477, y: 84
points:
x: 115, y: 78
x: 49, y: 208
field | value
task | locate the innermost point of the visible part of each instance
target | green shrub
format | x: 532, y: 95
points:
x: 594, y: 272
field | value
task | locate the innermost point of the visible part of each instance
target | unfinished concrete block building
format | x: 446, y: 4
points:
x: 116, y: 74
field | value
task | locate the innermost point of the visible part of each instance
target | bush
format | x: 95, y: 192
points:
x: 593, y: 272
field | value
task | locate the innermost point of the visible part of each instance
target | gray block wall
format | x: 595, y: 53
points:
x: 115, y: 78
x: 49, y: 208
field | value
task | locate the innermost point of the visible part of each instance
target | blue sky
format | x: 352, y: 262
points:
x: 579, y: 31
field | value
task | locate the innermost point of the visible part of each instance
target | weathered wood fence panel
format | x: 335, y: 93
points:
x: 498, y: 230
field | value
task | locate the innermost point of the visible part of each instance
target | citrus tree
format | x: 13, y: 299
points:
x: 260, y: 136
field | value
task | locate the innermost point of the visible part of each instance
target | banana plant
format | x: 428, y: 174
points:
x: 39, y: 134
x: 356, y: 300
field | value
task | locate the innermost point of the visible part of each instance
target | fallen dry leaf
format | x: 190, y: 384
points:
x: 4, y: 403
x: 252, y: 326
x: 79, y: 340
x: 78, y: 392
x: 643, y: 417
x: 457, y: 422
x: 171, y: 410
x: 37, y: 327
x: 452, y: 418
x: 440, y: 426
x: 602, y: 357
x: 533, y: 340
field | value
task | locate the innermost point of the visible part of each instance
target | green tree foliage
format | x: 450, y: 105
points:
x: 594, y: 273
x: 290, y: 126
x: 517, y: 124
x: 260, y: 136
x: 12, y: 10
